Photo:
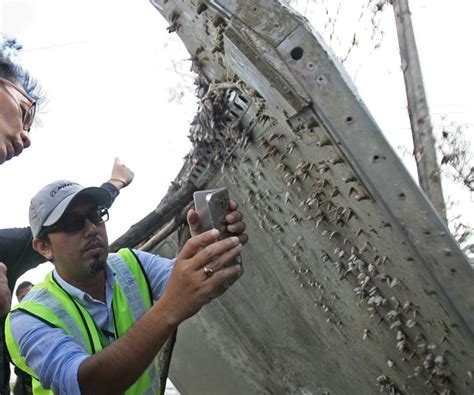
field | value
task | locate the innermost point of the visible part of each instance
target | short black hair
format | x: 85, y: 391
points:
x: 23, y: 285
x: 43, y: 235
x: 13, y: 72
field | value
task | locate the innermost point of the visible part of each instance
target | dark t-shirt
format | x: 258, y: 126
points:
x: 17, y: 253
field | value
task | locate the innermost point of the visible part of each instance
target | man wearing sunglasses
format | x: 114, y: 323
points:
x: 18, y: 256
x: 97, y: 322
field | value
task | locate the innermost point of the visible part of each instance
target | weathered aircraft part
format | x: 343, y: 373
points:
x: 352, y: 282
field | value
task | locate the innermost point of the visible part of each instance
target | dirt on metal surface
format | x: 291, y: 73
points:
x: 352, y: 282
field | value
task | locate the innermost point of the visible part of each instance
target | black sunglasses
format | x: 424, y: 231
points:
x: 75, y: 222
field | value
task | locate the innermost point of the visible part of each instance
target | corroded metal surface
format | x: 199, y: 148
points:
x: 352, y: 282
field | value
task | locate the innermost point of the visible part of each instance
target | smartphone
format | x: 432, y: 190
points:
x: 212, y: 205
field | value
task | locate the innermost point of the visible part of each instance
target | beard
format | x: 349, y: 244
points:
x: 97, y: 265
x: 96, y: 260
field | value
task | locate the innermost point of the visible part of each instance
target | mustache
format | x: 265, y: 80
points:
x: 94, y: 242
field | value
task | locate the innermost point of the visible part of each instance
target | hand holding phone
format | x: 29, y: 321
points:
x: 212, y: 206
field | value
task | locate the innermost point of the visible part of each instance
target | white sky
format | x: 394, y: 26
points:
x: 107, y: 69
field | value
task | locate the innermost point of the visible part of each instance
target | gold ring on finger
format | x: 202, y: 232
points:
x: 208, y: 271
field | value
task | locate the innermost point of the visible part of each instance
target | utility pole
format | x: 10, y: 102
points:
x: 429, y: 175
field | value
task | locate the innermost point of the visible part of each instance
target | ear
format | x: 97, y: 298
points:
x: 44, y: 248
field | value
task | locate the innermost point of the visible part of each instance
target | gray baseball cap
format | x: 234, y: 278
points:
x: 51, y: 202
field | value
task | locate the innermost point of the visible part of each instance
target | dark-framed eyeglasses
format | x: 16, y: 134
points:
x: 71, y: 223
x: 26, y: 103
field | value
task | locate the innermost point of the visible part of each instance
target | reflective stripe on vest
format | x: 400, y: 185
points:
x: 51, y: 304
x: 139, y: 300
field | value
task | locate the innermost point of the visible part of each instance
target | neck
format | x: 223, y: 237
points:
x: 94, y: 284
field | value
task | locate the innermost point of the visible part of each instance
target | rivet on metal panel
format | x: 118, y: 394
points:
x: 376, y: 158
x: 321, y: 80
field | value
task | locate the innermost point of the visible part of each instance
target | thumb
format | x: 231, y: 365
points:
x: 117, y: 160
x: 193, y: 222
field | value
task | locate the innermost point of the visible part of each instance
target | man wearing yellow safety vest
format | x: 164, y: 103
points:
x: 97, y: 322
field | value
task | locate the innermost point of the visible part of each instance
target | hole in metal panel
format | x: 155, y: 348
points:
x: 297, y: 53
